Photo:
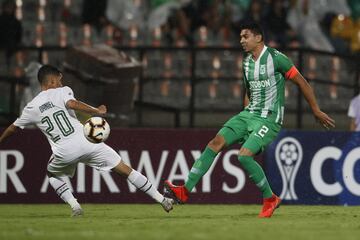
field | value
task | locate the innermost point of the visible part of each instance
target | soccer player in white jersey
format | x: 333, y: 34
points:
x: 52, y: 111
x: 265, y: 73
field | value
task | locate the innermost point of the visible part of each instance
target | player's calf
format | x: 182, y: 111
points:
x: 63, y: 191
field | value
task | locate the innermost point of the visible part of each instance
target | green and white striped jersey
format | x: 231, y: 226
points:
x: 265, y: 82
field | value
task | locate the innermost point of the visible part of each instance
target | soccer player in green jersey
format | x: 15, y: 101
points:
x: 265, y: 73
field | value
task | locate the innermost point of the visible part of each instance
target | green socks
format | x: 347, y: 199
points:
x: 256, y: 174
x: 200, y: 167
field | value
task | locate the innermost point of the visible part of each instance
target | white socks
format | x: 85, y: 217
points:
x: 63, y: 191
x: 143, y: 184
x: 136, y: 178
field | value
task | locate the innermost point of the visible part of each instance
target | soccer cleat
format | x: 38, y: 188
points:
x: 77, y: 212
x: 179, y: 193
x: 269, y: 206
x: 167, y: 204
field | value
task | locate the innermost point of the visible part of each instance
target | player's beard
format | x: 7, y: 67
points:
x: 244, y: 48
x: 247, y: 50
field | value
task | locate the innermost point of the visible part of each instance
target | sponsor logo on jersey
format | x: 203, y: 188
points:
x: 260, y: 84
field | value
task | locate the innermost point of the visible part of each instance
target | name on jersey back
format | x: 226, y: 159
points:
x: 46, y: 106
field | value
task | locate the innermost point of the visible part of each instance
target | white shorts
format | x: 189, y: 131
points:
x: 102, y: 158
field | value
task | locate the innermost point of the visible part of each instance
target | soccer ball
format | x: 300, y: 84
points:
x: 96, y: 129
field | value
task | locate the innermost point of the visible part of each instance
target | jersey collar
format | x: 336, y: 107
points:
x: 262, y: 53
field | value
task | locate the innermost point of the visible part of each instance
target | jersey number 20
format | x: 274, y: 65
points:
x: 62, y: 123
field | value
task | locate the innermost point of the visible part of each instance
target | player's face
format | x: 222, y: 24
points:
x: 248, y: 40
x: 59, y: 80
x: 56, y: 81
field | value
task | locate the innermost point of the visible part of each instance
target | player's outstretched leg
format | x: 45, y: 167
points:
x: 181, y: 193
x: 144, y: 185
x: 62, y: 190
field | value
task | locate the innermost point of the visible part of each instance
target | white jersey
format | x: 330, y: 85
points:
x: 354, y: 111
x: 59, y: 124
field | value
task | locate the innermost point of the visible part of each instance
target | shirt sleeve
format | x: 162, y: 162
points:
x: 67, y: 94
x: 351, y: 111
x: 286, y: 66
x: 27, y: 117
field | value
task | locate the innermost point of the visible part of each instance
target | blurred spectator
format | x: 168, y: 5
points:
x: 178, y: 28
x: 305, y: 17
x: 128, y: 19
x: 238, y: 9
x: 339, y: 30
x: 321, y: 8
x: 280, y: 33
x: 10, y: 28
x: 170, y: 17
x: 211, y: 23
x: 355, y: 8
x: 354, y: 113
x: 33, y: 89
x: 346, y: 28
x: 355, y: 39
x: 93, y: 13
x: 255, y: 13
x: 126, y: 13
x: 70, y: 11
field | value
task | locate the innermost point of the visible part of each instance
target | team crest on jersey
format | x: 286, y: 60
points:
x: 262, y: 69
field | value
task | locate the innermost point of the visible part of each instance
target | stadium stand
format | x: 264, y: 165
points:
x: 190, y: 52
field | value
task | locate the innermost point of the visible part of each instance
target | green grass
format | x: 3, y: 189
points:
x: 124, y: 221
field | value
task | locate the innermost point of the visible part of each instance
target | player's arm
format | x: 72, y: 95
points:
x: 309, y: 95
x: 246, y: 100
x: 352, y: 113
x: 246, y: 95
x: 83, y: 107
x: 28, y: 117
x: 352, y: 124
x: 8, y: 132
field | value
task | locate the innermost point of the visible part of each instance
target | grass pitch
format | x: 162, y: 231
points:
x: 124, y: 221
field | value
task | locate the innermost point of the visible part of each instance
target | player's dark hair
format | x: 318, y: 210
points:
x: 45, y: 71
x: 254, y: 27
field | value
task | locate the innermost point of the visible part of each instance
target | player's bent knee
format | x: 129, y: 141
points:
x: 245, y: 160
x: 217, y: 143
x: 49, y: 174
x: 122, y: 169
x: 246, y: 152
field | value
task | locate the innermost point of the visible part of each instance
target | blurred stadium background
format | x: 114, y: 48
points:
x: 170, y: 72
x: 189, y: 52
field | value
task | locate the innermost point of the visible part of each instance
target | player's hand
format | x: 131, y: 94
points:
x: 102, y: 110
x: 326, y: 121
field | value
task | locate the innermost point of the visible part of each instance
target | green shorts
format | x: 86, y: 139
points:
x: 251, y: 130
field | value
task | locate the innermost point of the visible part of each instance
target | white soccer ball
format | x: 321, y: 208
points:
x: 96, y: 129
